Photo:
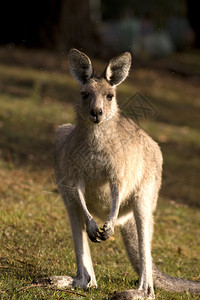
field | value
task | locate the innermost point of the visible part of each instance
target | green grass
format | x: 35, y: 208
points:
x: 35, y: 233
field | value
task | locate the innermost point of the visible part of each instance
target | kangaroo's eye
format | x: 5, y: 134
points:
x: 110, y: 97
x: 84, y: 95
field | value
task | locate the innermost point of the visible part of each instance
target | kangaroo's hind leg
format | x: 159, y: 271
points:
x: 144, y: 224
x: 137, y: 236
x: 130, y: 239
x: 85, y: 273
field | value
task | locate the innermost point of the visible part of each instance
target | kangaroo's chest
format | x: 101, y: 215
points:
x: 90, y: 162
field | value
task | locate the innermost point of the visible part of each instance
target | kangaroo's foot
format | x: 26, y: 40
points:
x: 66, y: 282
x: 56, y: 281
x: 132, y: 295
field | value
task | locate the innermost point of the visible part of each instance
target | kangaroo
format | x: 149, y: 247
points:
x: 108, y: 166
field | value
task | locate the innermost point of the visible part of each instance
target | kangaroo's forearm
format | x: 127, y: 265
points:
x: 81, y: 199
x: 116, y: 195
x: 91, y: 226
x: 108, y: 228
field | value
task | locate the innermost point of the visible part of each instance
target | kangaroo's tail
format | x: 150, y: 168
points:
x: 161, y: 280
x: 174, y: 284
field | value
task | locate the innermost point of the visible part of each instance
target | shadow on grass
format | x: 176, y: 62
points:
x: 32, y: 147
x: 21, y: 269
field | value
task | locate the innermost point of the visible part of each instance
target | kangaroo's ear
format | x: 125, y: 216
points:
x: 80, y: 66
x: 118, y: 68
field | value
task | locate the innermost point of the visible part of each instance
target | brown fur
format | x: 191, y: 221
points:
x: 108, y: 166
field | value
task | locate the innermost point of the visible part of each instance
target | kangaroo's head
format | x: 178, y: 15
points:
x: 97, y: 101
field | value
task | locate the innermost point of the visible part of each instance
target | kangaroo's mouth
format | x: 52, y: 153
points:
x: 95, y: 119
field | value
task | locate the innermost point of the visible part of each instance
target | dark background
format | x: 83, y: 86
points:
x: 62, y: 24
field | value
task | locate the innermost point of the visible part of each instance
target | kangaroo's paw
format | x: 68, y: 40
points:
x: 66, y: 282
x: 107, y: 230
x: 93, y: 231
x: 132, y: 295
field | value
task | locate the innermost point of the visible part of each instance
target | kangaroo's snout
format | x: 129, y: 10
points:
x: 96, y: 114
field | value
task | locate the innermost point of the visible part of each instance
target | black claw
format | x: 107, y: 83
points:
x: 95, y: 241
x: 94, y: 238
x: 103, y: 237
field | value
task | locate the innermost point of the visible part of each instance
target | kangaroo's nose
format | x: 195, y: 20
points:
x: 96, y: 114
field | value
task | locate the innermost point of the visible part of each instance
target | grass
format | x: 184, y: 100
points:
x: 35, y: 233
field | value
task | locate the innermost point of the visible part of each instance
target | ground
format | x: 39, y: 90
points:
x: 37, y: 94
